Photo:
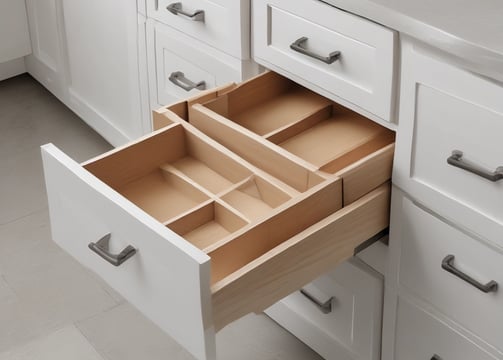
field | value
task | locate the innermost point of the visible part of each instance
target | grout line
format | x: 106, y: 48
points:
x: 25, y: 216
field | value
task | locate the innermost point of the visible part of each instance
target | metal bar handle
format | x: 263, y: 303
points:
x: 436, y: 357
x: 178, y: 78
x: 101, y: 247
x: 456, y: 159
x: 325, y: 307
x: 297, y: 45
x: 177, y: 9
x: 448, y: 265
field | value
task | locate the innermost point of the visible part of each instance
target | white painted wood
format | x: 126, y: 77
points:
x: 426, y: 240
x: 14, y: 36
x: 46, y: 63
x: 364, y: 73
x: 444, y: 108
x: 102, y: 54
x: 420, y: 336
x: 175, y: 51
x: 12, y: 68
x: 353, y: 329
x: 376, y: 256
x: 167, y: 279
x: 225, y: 26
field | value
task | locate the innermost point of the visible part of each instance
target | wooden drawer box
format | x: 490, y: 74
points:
x: 346, y: 56
x: 427, y: 243
x: 222, y: 24
x: 421, y: 336
x: 211, y: 236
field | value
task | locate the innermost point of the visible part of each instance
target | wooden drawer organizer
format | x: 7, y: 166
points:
x: 273, y: 123
x: 222, y: 231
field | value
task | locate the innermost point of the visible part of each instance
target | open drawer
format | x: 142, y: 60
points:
x: 200, y: 236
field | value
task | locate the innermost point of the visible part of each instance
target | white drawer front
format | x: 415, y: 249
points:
x: 352, y: 328
x: 224, y: 24
x: 426, y: 243
x: 173, y: 53
x: 167, y: 279
x: 420, y: 336
x: 362, y: 75
x: 443, y: 109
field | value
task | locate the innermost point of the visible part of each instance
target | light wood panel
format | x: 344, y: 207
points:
x: 300, y: 259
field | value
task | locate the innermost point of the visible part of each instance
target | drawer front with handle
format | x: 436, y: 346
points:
x: 450, y: 153
x: 183, y: 69
x: 457, y: 274
x: 421, y: 336
x: 338, y: 315
x: 150, y: 217
x: 347, y: 56
x: 222, y: 24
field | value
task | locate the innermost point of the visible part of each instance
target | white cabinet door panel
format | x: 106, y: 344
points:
x: 14, y: 38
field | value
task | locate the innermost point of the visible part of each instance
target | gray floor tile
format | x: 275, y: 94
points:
x: 122, y: 333
x: 63, y: 344
x: 6, y: 294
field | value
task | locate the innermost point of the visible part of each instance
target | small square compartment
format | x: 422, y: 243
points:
x: 208, y: 224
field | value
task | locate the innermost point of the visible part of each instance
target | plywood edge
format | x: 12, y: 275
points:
x: 366, y: 174
x: 301, y: 259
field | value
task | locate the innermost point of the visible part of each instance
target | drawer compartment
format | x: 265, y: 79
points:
x: 427, y: 241
x: 213, y: 234
x: 222, y: 24
x: 349, y: 328
x: 278, y: 116
x: 361, y: 74
x: 422, y: 336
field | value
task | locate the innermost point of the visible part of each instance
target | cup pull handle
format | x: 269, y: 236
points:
x: 178, y: 78
x: 456, y: 159
x: 448, y: 265
x: 177, y: 9
x: 101, y: 247
x: 325, y: 307
x: 297, y: 45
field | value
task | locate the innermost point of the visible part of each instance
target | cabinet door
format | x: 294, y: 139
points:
x: 14, y: 39
x: 45, y: 64
x: 103, y: 72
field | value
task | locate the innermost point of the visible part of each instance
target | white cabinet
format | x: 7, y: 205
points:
x: 46, y: 63
x: 339, y: 314
x: 89, y: 54
x: 102, y: 53
x: 14, y: 37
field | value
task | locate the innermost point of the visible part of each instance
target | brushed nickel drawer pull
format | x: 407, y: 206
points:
x: 297, y: 45
x: 176, y: 8
x: 456, y: 159
x: 436, y: 357
x: 447, y: 264
x: 325, y: 307
x: 178, y: 78
x: 101, y: 247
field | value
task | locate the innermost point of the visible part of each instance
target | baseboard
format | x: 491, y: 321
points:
x: 12, y: 68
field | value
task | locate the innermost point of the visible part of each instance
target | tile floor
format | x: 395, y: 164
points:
x: 51, y: 308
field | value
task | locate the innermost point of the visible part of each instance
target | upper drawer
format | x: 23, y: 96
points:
x: 347, y: 56
x: 430, y: 244
x: 445, y: 110
x: 184, y: 202
x: 223, y: 24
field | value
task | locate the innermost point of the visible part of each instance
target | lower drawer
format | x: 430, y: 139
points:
x: 421, y: 336
x: 428, y: 245
x: 338, y: 315
x: 200, y: 237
